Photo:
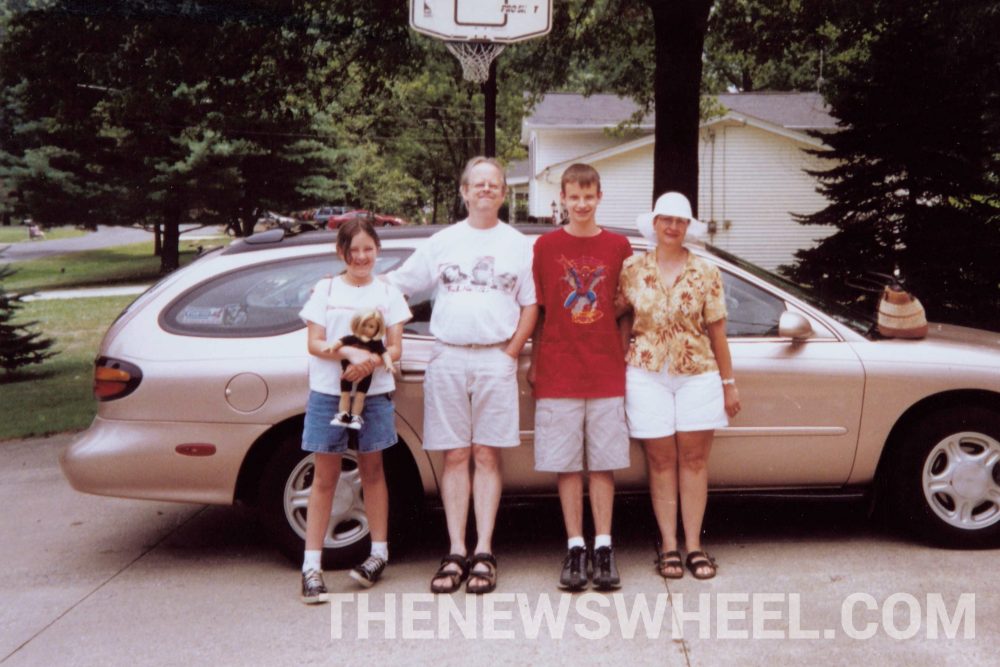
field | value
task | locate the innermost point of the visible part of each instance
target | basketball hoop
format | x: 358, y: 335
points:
x: 476, y: 58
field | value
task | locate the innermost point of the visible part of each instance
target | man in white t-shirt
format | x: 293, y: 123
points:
x: 484, y: 311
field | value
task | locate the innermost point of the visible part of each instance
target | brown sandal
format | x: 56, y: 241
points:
x: 699, y: 560
x: 489, y: 576
x: 672, y: 560
x: 455, y: 577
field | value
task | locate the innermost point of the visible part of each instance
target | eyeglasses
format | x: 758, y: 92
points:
x: 671, y: 221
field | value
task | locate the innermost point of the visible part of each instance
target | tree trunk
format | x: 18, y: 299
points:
x: 436, y: 196
x: 170, y: 256
x: 680, y: 37
x: 247, y: 223
x: 157, y: 240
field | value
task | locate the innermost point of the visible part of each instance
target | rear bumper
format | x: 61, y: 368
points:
x: 139, y: 459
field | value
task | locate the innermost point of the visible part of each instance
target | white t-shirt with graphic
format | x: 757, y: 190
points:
x: 481, y: 279
x: 332, y: 304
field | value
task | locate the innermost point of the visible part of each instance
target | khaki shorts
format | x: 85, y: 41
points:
x: 470, y: 396
x: 563, y: 425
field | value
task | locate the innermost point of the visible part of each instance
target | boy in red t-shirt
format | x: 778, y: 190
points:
x: 578, y: 373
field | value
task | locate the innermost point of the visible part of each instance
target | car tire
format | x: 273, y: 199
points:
x: 943, y: 478
x: 284, y: 494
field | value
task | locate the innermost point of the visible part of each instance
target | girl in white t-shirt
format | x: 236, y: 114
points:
x: 328, y: 314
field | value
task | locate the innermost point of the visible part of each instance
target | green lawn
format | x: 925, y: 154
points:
x: 121, y: 265
x: 55, y: 396
x: 19, y: 233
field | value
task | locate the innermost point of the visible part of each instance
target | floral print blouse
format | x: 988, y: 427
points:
x: 670, y: 324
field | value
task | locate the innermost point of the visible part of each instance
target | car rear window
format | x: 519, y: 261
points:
x: 260, y: 300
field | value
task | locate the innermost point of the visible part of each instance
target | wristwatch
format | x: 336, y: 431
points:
x: 731, y: 381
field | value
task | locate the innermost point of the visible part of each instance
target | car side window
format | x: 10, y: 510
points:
x: 259, y: 300
x: 421, y: 304
x: 750, y: 310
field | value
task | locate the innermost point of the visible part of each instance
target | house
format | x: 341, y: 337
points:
x: 751, y: 158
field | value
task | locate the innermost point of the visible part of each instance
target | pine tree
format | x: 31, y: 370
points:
x: 915, y: 186
x: 19, y: 345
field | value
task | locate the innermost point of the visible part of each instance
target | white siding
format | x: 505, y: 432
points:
x: 627, y: 183
x: 558, y: 146
x: 553, y: 147
x: 755, y: 180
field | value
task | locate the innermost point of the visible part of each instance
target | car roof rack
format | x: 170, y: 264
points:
x: 274, y: 238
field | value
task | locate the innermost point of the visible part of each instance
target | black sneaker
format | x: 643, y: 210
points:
x: 368, y: 572
x: 574, y: 570
x: 605, y: 571
x: 313, y: 588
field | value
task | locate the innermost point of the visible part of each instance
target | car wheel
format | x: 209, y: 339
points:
x: 284, y: 497
x: 944, y: 477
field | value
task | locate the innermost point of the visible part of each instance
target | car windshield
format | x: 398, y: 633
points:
x: 858, y: 321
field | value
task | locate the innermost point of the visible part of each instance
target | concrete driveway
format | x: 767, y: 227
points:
x: 100, y: 581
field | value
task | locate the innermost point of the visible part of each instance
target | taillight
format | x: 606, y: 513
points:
x: 114, y: 378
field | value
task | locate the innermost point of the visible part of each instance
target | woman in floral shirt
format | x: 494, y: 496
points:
x: 679, y: 380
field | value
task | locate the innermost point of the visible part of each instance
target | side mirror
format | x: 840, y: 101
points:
x: 794, y: 326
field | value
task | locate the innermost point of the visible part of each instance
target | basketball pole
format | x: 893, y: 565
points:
x: 489, y: 89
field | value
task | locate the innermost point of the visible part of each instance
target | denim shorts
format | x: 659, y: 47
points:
x: 377, y: 433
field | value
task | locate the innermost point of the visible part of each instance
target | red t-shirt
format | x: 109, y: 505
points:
x: 580, y: 353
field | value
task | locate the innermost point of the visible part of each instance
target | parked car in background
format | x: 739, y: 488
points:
x: 202, y: 384
x: 377, y: 219
x: 323, y: 214
x: 272, y: 220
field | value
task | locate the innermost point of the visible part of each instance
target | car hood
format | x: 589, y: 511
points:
x: 951, y: 334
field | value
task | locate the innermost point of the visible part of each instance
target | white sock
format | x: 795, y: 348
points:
x: 575, y: 542
x: 311, y: 561
x: 381, y: 549
x: 602, y: 541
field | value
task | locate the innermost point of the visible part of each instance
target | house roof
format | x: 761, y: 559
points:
x: 518, y: 172
x: 793, y: 111
x: 572, y: 110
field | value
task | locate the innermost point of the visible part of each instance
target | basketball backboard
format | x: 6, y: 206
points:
x: 481, y: 20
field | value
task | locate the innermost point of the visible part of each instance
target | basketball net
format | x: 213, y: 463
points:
x: 476, y: 58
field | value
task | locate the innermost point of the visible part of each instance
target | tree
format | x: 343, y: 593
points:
x: 649, y: 50
x: 914, y: 188
x: 136, y: 110
x: 782, y: 44
x: 425, y: 131
x: 19, y: 345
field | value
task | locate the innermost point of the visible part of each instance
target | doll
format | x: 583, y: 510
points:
x: 368, y: 328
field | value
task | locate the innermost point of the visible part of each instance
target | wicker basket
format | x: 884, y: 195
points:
x: 900, y: 315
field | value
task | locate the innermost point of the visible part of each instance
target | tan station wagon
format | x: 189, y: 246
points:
x: 202, y: 386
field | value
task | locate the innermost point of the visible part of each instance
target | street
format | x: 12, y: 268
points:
x: 90, y: 580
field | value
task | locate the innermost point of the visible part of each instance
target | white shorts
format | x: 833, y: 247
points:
x: 470, y: 396
x: 658, y: 405
x: 564, y: 425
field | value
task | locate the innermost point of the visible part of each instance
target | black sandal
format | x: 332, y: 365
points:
x: 699, y: 560
x: 489, y: 576
x: 669, y: 559
x: 455, y: 578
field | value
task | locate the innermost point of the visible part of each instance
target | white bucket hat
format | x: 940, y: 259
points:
x: 676, y: 205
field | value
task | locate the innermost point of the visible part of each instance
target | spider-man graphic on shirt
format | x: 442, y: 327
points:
x: 583, y: 275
